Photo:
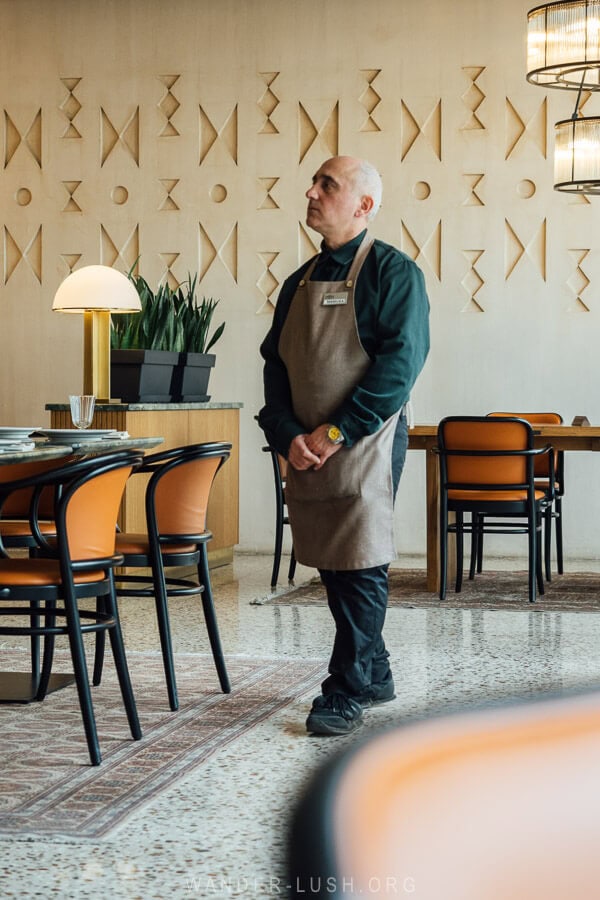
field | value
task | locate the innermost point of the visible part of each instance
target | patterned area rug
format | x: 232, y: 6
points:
x: 47, y: 786
x: 489, y: 590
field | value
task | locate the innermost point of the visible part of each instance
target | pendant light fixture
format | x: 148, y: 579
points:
x: 563, y: 52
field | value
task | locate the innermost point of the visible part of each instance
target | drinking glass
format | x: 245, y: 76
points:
x: 82, y: 409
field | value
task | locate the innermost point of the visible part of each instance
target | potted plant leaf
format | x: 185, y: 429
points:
x: 149, y: 347
x: 192, y: 373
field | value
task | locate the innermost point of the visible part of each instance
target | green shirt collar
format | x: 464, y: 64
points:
x: 344, y: 254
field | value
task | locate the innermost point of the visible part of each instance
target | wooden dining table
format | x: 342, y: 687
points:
x: 424, y: 437
x: 21, y: 687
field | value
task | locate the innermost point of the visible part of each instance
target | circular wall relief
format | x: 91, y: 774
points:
x: 23, y: 196
x: 421, y: 190
x: 218, y: 193
x: 526, y: 189
x: 119, y: 195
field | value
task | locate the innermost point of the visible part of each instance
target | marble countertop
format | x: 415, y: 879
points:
x: 115, y: 406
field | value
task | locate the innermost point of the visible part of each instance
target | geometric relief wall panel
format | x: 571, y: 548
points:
x: 307, y: 247
x: 168, y: 105
x: 429, y: 129
x: 268, y: 103
x: 370, y: 99
x: 169, y: 185
x: 312, y: 126
x: 519, y: 129
x: 225, y: 132
x: 70, y: 108
x: 578, y: 281
x: 71, y: 205
x: 473, y: 197
x: 127, y: 137
x: 168, y: 276
x: 428, y: 250
x: 472, y: 281
x: 473, y: 97
x: 227, y: 252
x: 123, y: 252
x: 29, y: 255
x: 268, y: 283
x: 516, y: 249
x: 31, y: 138
x: 267, y: 199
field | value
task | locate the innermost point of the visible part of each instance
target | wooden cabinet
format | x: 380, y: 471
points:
x: 179, y: 424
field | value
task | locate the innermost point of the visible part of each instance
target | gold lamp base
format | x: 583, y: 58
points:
x: 96, y: 354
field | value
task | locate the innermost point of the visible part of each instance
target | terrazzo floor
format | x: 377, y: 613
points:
x: 221, y: 831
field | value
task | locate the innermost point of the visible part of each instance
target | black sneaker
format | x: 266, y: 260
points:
x: 378, y: 693
x: 334, y: 714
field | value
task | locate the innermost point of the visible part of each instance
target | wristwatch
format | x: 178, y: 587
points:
x: 334, y: 435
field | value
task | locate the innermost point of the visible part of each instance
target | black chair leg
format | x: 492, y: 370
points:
x: 81, y: 678
x: 559, y: 535
x: 210, y: 618
x: 100, y: 647
x: 548, y: 543
x: 443, y: 547
x: 460, y: 545
x: 118, y: 651
x: 164, y: 630
x: 47, y: 660
x: 34, y: 642
x: 476, y: 536
x: 292, y: 568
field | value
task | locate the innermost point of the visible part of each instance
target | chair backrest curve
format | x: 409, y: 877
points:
x: 179, y: 491
x: 485, y: 434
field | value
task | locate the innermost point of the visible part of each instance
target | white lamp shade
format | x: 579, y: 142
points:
x: 563, y: 45
x: 97, y: 288
x: 577, y: 155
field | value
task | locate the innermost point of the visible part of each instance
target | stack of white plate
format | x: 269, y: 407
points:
x: 13, y: 438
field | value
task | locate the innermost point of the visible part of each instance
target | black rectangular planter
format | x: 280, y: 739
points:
x: 190, y: 378
x: 138, y: 376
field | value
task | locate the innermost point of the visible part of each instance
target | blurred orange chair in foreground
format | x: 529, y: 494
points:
x: 491, y: 804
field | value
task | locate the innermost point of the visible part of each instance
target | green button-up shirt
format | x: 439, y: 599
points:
x: 392, y: 315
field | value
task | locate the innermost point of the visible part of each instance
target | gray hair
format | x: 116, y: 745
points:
x: 368, y: 181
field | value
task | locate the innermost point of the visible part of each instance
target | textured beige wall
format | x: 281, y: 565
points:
x: 186, y: 134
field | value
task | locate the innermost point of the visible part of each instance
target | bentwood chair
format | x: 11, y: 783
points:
x: 176, y: 499
x: 15, y: 532
x: 77, y: 564
x: 281, y: 517
x: 421, y: 809
x: 487, y: 470
x: 542, y: 480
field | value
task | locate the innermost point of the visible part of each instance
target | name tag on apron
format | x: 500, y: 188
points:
x: 334, y: 299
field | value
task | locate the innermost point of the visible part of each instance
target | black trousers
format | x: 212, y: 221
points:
x: 357, y: 600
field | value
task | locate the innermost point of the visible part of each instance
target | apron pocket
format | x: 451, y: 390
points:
x: 338, y: 478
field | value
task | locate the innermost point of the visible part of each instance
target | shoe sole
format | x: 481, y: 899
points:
x: 321, y: 728
x: 366, y: 704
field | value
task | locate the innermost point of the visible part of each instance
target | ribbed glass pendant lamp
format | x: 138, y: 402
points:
x: 563, y: 51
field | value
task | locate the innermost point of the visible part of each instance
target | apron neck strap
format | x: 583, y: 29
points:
x: 359, y: 258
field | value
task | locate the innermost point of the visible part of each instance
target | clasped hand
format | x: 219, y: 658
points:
x: 311, y: 451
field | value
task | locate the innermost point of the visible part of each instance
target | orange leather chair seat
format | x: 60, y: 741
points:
x: 493, y: 496
x: 38, y: 572
x: 21, y: 528
x: 131, y: 544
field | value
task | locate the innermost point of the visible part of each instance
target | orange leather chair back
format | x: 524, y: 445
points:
x: 92, y: 513
x: 541, y: 465
x: 489, y: 434
x: 182, y: 494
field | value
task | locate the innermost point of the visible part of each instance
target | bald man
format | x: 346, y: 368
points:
x: 349, y: 337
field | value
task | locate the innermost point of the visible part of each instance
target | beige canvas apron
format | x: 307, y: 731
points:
x: 342, y: 514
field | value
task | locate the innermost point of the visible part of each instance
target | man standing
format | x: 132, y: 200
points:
x: 349, y: 337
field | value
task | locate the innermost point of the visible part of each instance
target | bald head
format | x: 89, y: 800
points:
x: 344, y: 197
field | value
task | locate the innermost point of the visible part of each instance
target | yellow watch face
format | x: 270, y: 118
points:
x: 334, y: 434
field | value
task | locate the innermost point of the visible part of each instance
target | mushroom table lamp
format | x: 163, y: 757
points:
x: 96, y: 291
